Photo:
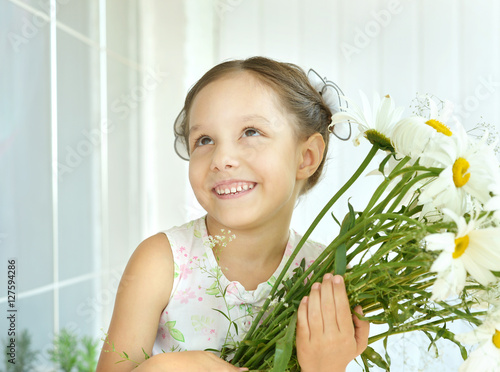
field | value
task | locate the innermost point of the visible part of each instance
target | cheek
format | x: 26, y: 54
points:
x: 195, y: 174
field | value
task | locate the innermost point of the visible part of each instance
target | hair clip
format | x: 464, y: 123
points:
x: 334, y: 99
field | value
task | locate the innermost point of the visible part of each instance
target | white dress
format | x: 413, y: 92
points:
x: 190, y: 321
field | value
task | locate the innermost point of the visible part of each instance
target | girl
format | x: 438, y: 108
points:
x: 256, y: 134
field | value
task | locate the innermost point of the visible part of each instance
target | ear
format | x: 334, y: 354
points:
x: 311, y: 155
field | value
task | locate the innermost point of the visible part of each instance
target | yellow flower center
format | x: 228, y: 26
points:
x: 439, y: 127
x: 496, y: 338
x: 461, y: 245
x: 460, y: 175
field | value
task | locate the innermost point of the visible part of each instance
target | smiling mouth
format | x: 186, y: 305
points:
x: 234, y: 189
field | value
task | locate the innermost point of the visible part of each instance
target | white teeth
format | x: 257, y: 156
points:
x: 234, y: 189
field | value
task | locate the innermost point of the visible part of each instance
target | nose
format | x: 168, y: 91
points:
x: 224, y: 157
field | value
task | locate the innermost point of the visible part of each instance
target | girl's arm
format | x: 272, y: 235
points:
x: 329, y: 337
x: 142, y: 295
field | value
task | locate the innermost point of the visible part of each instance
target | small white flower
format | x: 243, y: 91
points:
x: 487, y: 356
x: 468, y: 167
x: 375, y: 124
x: 469, y: 250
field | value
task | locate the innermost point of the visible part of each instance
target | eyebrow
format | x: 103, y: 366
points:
x: 244, y: 119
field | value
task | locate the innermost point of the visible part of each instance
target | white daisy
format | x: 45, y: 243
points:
x: 440, y: 119
x: 487, y: 356
x: 470, y: 250
x: 375, y: 124
x: 414, y: 135
x: 468, y: 167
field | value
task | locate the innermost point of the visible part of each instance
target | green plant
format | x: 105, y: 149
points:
x: 25, y: 354
x: 87, y: 357
x: 64, y: 351
x: 70, y: 352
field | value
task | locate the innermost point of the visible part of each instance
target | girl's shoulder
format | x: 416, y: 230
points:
x: 191, y: 235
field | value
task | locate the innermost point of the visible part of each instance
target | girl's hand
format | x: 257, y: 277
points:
x: 328, y: 335
x: 197, y: 361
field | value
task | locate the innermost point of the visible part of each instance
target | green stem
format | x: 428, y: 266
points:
x: 405, y: 329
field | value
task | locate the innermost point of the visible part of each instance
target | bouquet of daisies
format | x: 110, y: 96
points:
x: 425, y: 250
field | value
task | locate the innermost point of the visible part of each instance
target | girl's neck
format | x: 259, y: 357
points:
x: 253, y: 255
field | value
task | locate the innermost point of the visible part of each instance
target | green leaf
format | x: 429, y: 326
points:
x: 225, y: 316
x: 212, y: 350
x: 340, y: 260
x: 284, y: 347
x: 340, y: 253
x: 175, y: 333
x: 336, y: 220
x: 213, y: 290
x: 197, y: 233
x: 375, y: 357
x: 383, y: 163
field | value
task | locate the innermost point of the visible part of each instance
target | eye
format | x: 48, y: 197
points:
x: 202, y: 141
x: 250, y: 132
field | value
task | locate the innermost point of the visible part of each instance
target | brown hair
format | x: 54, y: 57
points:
x: 292, y: 87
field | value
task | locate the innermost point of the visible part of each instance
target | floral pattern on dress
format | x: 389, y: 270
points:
x: 198, y: 316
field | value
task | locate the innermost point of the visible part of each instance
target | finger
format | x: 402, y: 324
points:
x: 362, y: 330
x: 302, y: 322
x: 328, y: 305
x: 314, y: 315
x: 342, y: 306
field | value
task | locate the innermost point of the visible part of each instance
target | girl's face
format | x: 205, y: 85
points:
x: 244, y: 153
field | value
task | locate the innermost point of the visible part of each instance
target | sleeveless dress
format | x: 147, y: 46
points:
x: 197, y: 315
